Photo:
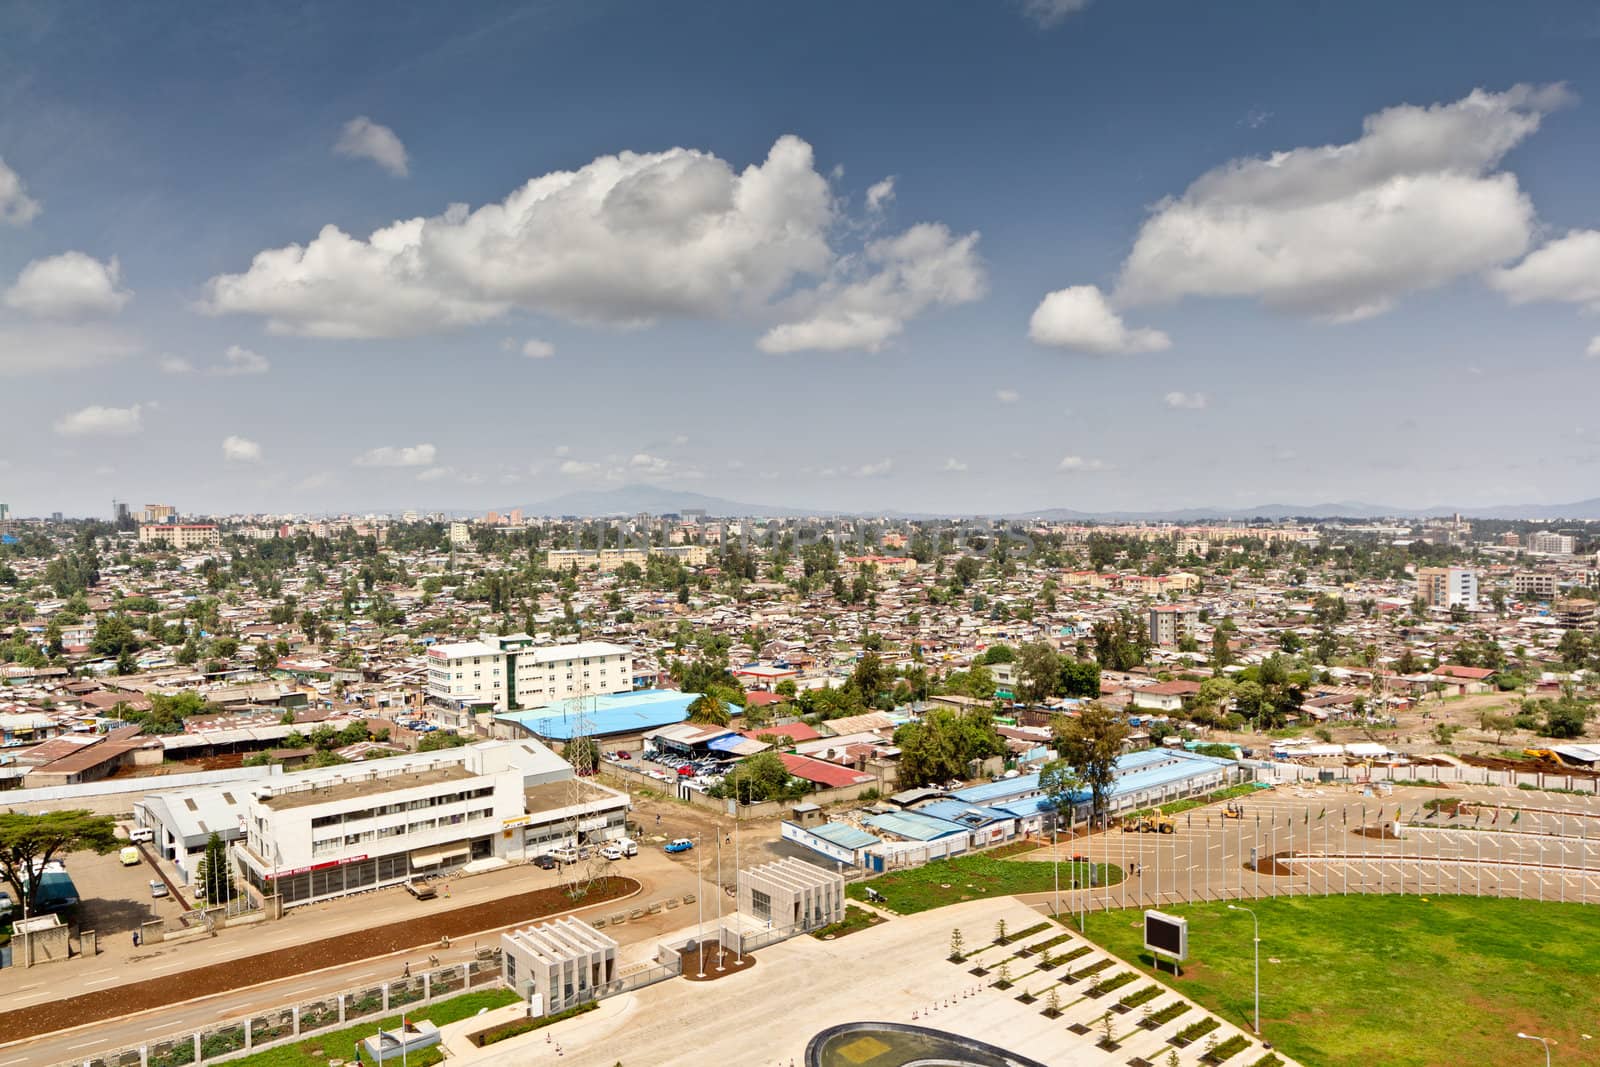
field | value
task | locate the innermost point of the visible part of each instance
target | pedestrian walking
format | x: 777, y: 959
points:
x: 407, y: 972
x: 136, y: 939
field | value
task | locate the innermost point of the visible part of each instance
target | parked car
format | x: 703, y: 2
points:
x: 629, y: 846
x: 158, y: 888
x: 623, y: 755
x: 5, y: 906
x: 686, y: 771
x: 129, y: 856
x: 611, y: 852
x: 142, y: 833
x: 682, y: 844
x: 545, y: 862
x: 565, y: 855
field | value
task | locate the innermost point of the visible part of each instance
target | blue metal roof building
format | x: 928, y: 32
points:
x: 617, y: 713
x: 914, y: 826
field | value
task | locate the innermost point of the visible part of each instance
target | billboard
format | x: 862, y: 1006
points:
x: 1167, y: 935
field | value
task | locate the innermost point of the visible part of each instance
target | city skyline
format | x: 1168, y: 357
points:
x: 983, y: 259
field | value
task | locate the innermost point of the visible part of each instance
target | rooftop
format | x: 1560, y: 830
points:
x: 368, y: 780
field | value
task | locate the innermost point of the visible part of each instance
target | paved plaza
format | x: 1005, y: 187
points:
x: 897, y: 972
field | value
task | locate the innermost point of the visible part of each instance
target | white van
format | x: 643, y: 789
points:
x: 627, y: 846
x: 142, y: 833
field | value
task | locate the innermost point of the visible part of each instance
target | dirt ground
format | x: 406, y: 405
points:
x: 1414, y: 730
x: 310, y: 956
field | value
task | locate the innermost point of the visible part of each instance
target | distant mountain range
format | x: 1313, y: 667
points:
x: 655, y: 500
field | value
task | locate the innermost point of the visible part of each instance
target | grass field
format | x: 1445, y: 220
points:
x: 973, y: 878
x: 854, y: 919
x: 341, y: 1044
x: 1397, y: 981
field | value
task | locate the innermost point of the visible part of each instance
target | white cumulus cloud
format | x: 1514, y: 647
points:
x: 645, y: 463
x: 171, y: 364
x: 68, y: 286
x: 1077, y: 464
x: 98, y: 421
x: 896, y: 279
x: 1079, y: 317
x: 238, y: 361
x: 1007, y: 396
x: 362, y: 138
x: 873, y: 470
x: 1342, y: 231
x: 1185, y: 401
x: 17, y: 208
x: 1593, y: 351
x: 953, y: 466
x: 880, y: 193
x: 1565, y: 270
x: 537, y: 349
x: 240, y: 450
x: 403, y: 456
x: 625, y: 240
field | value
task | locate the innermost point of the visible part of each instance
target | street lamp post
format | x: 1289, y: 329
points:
x: 700, y: 904
x: 1055, y: 854
x: 1257, y: 924
x: 1545, y: 1041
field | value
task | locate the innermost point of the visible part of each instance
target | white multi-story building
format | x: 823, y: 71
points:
x: 509, y: 672
x: 1448, y: 587
x: 181, y: 535
x: 1551, y: 544
x: 337, y: 830
x: 460, y: 534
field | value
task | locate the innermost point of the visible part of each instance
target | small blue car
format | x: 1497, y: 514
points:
x: 682, y: 844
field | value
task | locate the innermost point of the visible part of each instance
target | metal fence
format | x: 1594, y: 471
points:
x: 233, y: 1038
x: 1515, y: 845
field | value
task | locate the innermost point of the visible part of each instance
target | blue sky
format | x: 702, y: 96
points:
x: 983, y: 256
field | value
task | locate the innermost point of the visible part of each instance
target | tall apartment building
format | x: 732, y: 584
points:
x: 509, y: 672
x: 181, y: 535
x: 1448, y: 587
x: 460, y: 534
x: 1170, y: 623
x: 157, y: 513
x: 1551, y: 544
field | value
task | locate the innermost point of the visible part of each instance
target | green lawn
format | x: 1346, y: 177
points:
x: 854, y: 919
x: 973, y: 878
x: 341, y: 1044
x: 1367, y: 980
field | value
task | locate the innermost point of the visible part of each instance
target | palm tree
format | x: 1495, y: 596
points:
x: 709, y: 709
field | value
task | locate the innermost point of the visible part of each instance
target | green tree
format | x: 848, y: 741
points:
x: 113, y: 636
x: 583, y: 753
x: 28, y: 842
x: 1080, y: 677
x: 709, y: 709
x: 760, y: 777
x: 1091, y: 741
x: 1060, y: 781
x: 939, y: 746
x: 1040, y: 669
x: 214, y: 873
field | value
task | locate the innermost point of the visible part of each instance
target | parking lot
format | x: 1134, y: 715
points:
x: 115, y: 899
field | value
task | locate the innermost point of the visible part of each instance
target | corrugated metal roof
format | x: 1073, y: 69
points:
x: 844, y: 835
x: 914, y: 825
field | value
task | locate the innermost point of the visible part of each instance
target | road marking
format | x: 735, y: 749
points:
x: 158, y: 1026
x: 102, y: 981
x: 86, y: 1044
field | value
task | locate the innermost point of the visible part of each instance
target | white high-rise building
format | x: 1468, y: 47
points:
x: 1551, y: 544
x: 1448, y: 587
x: 509, y: 672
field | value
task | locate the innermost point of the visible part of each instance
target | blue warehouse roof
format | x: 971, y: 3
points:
x: 844, y: 835
x: 914, y: 825
x: 618, y: 713
x: 972, y: 816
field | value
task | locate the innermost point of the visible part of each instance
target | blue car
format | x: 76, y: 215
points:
x: 682, y: 844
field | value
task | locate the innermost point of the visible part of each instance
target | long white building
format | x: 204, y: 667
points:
x: 509, y: 672
x: 323, y: 833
